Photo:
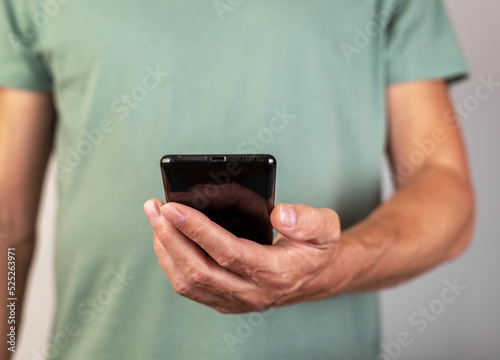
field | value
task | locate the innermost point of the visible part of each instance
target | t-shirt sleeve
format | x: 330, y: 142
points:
x: 21, y: 64
x: 421, y: 44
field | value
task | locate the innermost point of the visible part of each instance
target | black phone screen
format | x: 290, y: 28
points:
x: 234, y: 191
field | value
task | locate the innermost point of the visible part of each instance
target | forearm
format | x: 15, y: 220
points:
x: 428, y: 221
x: 23, y: 251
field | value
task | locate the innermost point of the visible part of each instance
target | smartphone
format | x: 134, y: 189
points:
x: 234, y: 191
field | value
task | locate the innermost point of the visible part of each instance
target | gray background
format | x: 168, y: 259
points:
x: 468, y: 328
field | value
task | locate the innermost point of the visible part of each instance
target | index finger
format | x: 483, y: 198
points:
x: 241, y: 256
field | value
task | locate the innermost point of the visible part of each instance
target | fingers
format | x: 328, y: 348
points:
x: 238, y: 255
x: 238, y: 274
x: 198, y: 268
x: 301, y: 222
x: 180, y: 283
x: 152, y: 210
x: 229, y: 294
x: 192, y: 273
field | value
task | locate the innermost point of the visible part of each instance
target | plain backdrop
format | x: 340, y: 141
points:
x: 467, y: 328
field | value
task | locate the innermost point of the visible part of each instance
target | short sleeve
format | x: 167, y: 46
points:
x: 21, y: 65
x: 421, y: 44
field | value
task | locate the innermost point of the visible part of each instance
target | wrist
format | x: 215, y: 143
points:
x: 350, y: 262
x: 364, y: 248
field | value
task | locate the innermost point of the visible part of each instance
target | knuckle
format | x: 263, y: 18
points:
x: 251, y: 304
x: 282, y: 282
x: 197, y: 233
x: 314, y: 222
x: 197, y: 276
x: 163, y: 235
x: 183, y: 288
x: 229, y: 258
x: 256, y: 303
x: 259, y: 305
x: 332, y: 221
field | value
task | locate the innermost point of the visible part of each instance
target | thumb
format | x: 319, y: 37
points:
x: 152, y: 210
x: 301, y: 222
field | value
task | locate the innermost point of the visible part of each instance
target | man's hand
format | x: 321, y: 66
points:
x: 429, y: 220
x: 239, y: 275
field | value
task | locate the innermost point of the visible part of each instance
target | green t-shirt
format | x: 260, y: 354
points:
x: 134, y: 80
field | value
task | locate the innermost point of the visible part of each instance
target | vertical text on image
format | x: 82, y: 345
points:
x: 11, y: 298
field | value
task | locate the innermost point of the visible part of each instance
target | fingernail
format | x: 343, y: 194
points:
x: 172, y: 214
x: 288, y: 216
x: 152, y: 212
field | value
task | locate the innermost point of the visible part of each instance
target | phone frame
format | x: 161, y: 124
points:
x: 232, y: 166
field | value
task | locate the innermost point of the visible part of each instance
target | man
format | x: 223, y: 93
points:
x: 112, y: 86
